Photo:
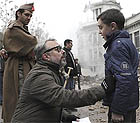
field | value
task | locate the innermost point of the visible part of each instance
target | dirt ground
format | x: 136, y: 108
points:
x: 97, y: 113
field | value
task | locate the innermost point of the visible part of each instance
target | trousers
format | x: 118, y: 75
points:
x: 70, y: 84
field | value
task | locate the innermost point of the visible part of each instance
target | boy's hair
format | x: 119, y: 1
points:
x: 67, y: 41
x: 112, y: 15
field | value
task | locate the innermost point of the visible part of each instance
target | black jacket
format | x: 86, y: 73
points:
x: 70, y: 62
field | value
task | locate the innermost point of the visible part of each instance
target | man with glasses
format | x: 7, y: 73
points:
x: 42, y: 97
x: 19, y: 44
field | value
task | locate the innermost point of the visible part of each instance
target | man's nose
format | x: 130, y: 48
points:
x: 29, y: 17
x: 63, y: 52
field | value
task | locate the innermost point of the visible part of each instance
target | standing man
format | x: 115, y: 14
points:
x: 70, y: 63
x: 121, y: 63
x: 42, y: 97
x: 19, y: 44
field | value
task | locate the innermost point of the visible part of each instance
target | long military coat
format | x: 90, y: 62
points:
x: 19, y: 44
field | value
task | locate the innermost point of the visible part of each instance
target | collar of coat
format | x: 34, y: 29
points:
x: 66, y: 49
x: 19, y: 25
x: 52, y: 66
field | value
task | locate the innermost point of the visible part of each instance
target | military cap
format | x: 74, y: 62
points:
x: 29, y: 7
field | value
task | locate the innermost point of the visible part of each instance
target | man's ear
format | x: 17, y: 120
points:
x: 45, y: 57
x: 18, y: 13
x: 114, y: 26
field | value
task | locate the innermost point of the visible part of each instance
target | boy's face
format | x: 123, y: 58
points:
x: 104, y: 29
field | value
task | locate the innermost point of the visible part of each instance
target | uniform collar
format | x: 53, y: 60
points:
x: 17, y: 23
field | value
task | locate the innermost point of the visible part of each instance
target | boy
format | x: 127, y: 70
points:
x: 121, y: 63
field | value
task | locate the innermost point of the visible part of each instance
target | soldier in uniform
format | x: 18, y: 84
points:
x: 19, y: 44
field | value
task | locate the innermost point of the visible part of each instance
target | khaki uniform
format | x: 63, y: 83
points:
x: 19, y: 44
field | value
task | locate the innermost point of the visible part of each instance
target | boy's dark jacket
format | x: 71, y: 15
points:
x: 121, y: 61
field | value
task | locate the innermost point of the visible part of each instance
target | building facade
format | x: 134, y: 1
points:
x: 132, y: 25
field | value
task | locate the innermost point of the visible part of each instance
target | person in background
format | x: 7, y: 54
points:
x: 1, y: 71
x: 42, y: 97
x: 121, y: 63
x: 79, y: 73
x: 70, y: 64
x: 1, y: 78
x: 3, y: 58
x: 19, y: 44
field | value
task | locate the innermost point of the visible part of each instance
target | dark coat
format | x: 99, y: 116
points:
x: 121, y: 61
x: 70, y: 62
x: 19, y: 44
x: 1, y: 58
x: 42, y: 97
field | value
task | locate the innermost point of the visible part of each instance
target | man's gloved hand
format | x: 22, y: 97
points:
x: 109, y: 84
x: 70, y: 118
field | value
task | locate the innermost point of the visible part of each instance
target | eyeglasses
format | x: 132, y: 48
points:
x: 57, y: 48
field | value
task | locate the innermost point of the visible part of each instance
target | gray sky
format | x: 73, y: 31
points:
x: 63, y: 16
